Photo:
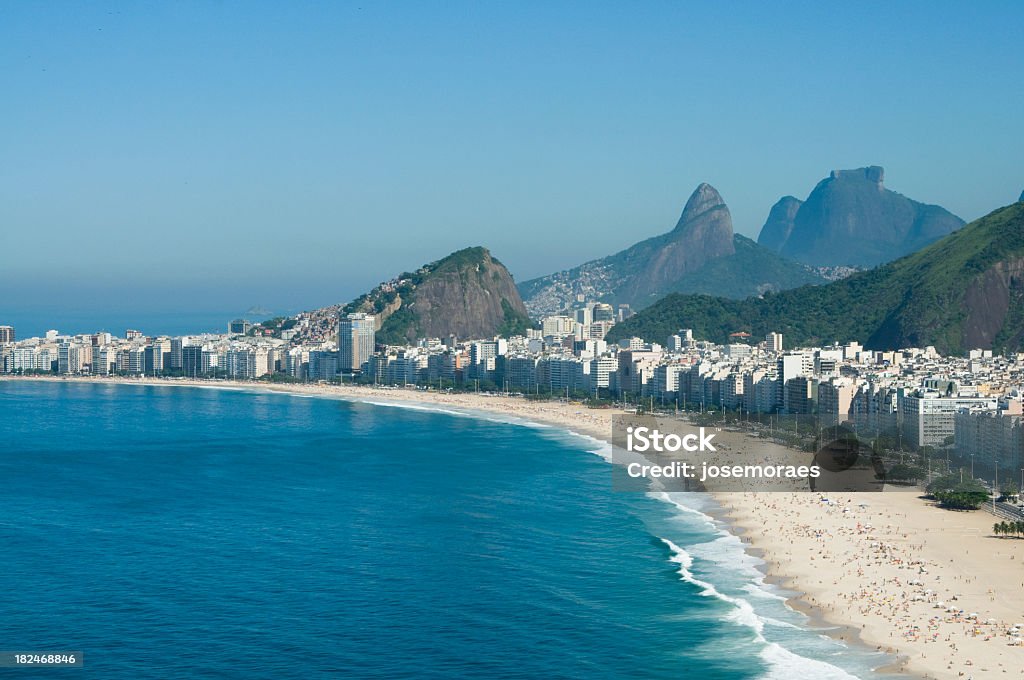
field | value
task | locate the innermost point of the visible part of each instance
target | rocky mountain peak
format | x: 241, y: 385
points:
x: 469, y: 294
x: 777, y: 229
x: 874, y: 174
x: 703, y: 199
x: 850, y: 218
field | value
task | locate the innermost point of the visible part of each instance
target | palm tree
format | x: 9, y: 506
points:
x: 997, y: 528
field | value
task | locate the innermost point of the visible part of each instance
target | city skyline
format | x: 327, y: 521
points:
x: 252, y: 168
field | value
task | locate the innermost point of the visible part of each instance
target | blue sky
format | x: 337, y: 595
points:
x: 170, y: 156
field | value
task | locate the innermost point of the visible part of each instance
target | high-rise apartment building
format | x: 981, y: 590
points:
x: 6, y: 334
x: 191, y: 360
x: 356, y: 338
x: 175, y: 360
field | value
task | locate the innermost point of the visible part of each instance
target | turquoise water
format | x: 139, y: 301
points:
x: 188, y: 532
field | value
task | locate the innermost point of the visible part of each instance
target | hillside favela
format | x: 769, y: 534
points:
x: 665, y: 435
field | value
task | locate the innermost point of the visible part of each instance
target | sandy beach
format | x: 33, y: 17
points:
x: 931, y: 586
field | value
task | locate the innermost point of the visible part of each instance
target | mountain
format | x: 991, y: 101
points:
x: 468, y: 294
x: 1021, y: 199
x: 700, y: 253
x: 779, y: 226
x: 850, y: 218
x: 963, y: 292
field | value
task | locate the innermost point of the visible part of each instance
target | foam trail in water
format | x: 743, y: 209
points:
x: 782, y: 663
x: 418, y: 407
x: 743, y: 613
x: 487, y: 416
x: 727, y: 550
x: 786, y: 665
x: 603, y: 449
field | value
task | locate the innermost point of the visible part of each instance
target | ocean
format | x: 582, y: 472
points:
x: 190, y: 532
x: 34, y: 322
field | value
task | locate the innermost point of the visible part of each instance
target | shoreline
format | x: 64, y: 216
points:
x: 852, y: 583
x: 817, y: 619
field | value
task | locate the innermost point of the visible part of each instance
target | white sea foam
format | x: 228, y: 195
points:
x: 419, y: 407
x: 224, y: 388
x: 726, y: 550
x: 786, y: 665
x: 742, y: 612
x: 597, y: 447
x: 474, y: 414
x: 683, y: 508
x: 760, y: 589
x: 782, y: 662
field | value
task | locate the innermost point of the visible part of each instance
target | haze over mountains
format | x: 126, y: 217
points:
x: 963, y: 292
x: 850, y: 218
x: 701, y: 254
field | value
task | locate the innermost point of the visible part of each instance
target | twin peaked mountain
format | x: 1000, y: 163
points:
x: 701, y: 255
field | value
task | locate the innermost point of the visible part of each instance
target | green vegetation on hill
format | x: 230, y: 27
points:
x: 514, y: 322
x: 398, y: 327
x: 468, y: 294
x: 752, y: 269
x: 927, y: 298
